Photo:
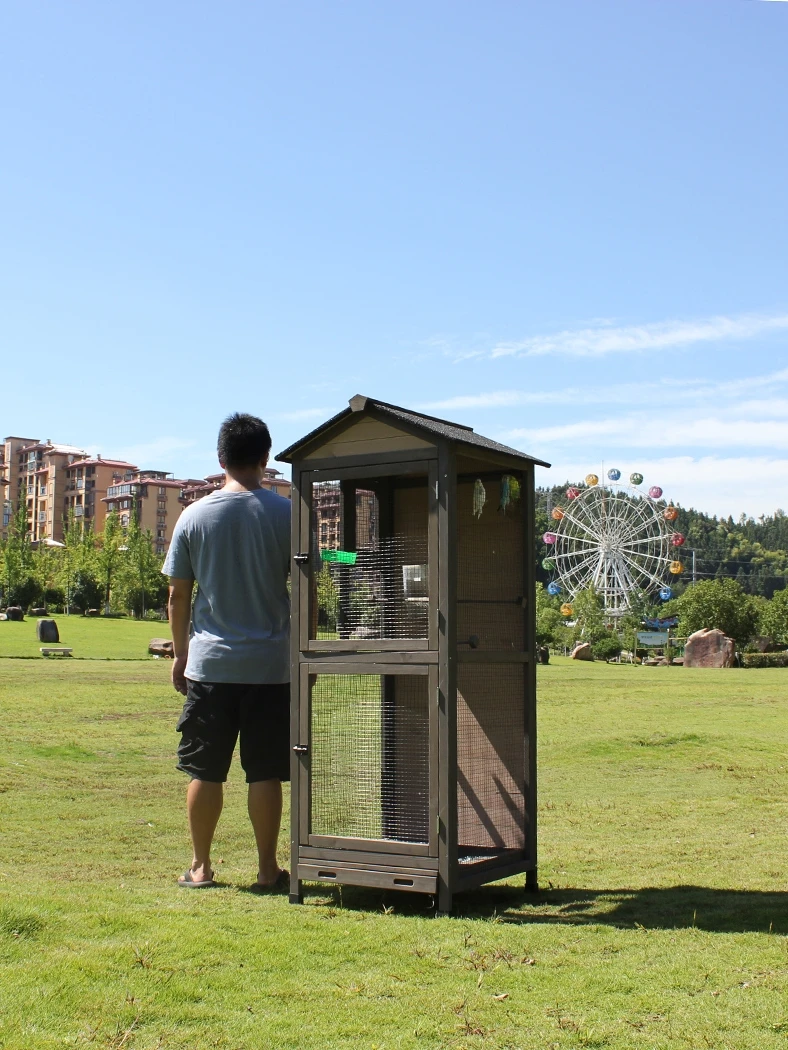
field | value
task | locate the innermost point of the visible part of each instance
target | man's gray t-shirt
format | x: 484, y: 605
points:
x: 236, y: 545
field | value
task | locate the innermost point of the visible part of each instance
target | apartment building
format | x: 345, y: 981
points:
x: 272, y: 480
x: 60, y: 480
x: 39, y: 469
x: 10, y: 477
x: 87, y: 483
x: 155, y: 497
x: 327, y: 507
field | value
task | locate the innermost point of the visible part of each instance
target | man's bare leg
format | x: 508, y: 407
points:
x: 265, y: 813
x: 204, y: 800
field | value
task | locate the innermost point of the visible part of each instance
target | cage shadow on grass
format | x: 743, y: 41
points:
x: 652, y: 908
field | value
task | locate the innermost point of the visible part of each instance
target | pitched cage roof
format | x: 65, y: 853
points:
x: 430, y: 425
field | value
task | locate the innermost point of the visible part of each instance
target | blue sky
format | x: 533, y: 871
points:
x: 562, y: 224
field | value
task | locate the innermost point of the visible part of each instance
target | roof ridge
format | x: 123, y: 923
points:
x: 418, y: 415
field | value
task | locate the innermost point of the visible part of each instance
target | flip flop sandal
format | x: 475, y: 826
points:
x: 280, y: 884
x: 188, y: 882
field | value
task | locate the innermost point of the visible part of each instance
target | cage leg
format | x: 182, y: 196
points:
x: 531, y: 881
x: 444, y: 899
x: 296, y: 892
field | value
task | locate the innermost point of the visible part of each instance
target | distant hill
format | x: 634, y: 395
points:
x: 752, y: 551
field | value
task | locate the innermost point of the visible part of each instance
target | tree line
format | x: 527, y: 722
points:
x: 116, y: 570
x: 753, y: 621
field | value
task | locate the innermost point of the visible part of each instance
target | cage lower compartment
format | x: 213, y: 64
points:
x: 370, y: 556
x: 369, y: 757
x: 491, y: 761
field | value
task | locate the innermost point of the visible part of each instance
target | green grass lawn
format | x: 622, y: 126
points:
x: 90, y: 638
x: 662, y: 922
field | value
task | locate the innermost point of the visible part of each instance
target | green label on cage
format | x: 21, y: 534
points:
x: 343, y: 557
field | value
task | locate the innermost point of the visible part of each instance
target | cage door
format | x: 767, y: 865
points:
x: 370, y: 776
x: 370, y: 547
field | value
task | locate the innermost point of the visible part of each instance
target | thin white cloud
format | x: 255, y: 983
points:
x: 658, y: 431
x: 306, y: 413
x: 154, y: 455
x: 646, y: 393
x: 495, y: 399
x: 660, y: 335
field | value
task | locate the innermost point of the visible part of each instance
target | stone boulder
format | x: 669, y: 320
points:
x: 543, y: 654
x: 765, y: 644
x: 709, y: 648
x: 161, y: 647
x: 46, y: 631
x: 14, y: 612
x: 582, y: 651
x: 38, y: 611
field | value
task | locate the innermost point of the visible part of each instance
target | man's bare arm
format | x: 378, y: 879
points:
x: 180, y: 611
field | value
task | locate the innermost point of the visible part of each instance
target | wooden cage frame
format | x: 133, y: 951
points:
x: 372, y: 439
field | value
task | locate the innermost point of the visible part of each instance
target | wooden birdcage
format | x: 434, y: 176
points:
x: 413, y: 655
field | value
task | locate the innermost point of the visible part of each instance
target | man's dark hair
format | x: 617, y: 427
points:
x: 244, y: 441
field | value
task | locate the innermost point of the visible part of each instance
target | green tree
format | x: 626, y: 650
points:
x: 717, y: 603
x: 327, y: 598
x: 549, y: 622
x: 608, y: 647
x: 773, y: 618
x: 46, y: 570
x: 18, y: 580
x: 589, y: 616
x: 109, y: 554
x: 140, y: 584
x: 78, y: 575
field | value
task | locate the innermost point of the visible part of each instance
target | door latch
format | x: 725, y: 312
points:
x: 300, y: 558
x: 301, y: 749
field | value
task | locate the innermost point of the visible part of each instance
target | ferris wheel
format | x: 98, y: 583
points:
x: 615, y: 537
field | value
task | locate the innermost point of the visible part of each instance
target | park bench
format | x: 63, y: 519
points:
x: 56, y: 650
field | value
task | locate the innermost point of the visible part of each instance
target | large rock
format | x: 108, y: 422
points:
x: 161, y: 647
x: 709, y: 648
x: 582, y: 651
x: 46, y: 631
x: 14, y: 612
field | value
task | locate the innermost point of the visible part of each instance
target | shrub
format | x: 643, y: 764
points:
x: 765, y: 659
x: 54, y: 596
x: 606, y: 648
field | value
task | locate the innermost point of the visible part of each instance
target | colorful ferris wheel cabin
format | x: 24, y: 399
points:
x: 413, y: 640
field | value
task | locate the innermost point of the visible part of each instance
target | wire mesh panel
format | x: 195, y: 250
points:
x: 369, y: 752
x: 370, y: 559
x: 491, y: 759
x: 490, y: 551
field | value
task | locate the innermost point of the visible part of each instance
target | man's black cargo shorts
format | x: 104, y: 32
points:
x: 213, y: 716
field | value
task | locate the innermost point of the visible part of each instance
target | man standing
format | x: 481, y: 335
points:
x: 232, y: 647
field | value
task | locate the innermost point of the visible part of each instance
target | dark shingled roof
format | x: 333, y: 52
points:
x: 430, y: 424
